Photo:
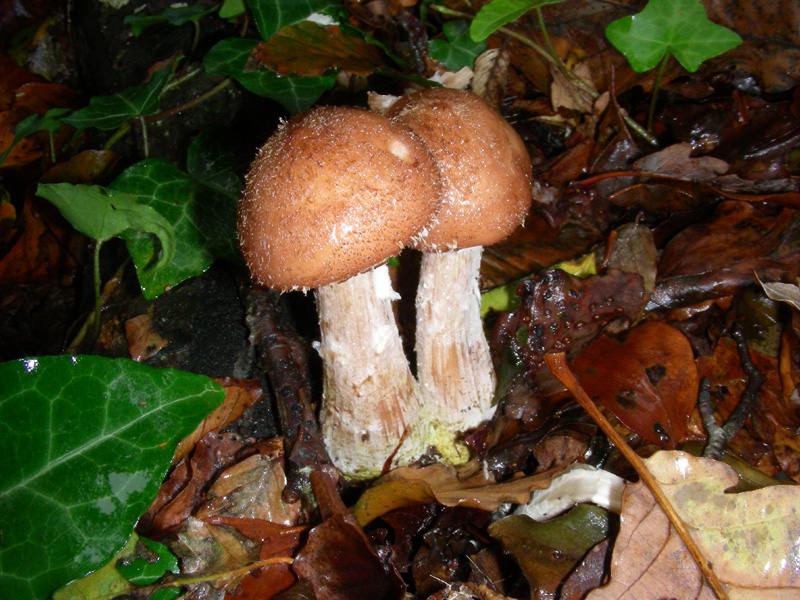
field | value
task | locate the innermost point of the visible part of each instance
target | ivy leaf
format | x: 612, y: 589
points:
x: 176, y: 15
x: 145, y: 572
x: 88, y: 440
x: 103, y: 214
x: 309, y: 49
x: 49, y: 121
x: 231, y: 9
x: 497, y: 13
x: 678, y: 27
x: 199, y: 205
x: 294, y: 93
x: 110, y: 112
x: 459, y: 50
x: 271, y: 16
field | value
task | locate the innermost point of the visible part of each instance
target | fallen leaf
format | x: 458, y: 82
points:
x: 749, y: 538
x: 239, y: 396
x: 648, y: 381
x: 309, y: 49
x: 547, y: 552
x: 676, y: 161
x: 440, y: 483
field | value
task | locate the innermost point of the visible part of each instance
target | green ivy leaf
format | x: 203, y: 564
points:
x: 49, y: 121
x: 459, y: 50
x: 201, y: 207
x: 141, y: 571
x: 271, y: 16
x: 88, y: 440
x: 231, y: 9
x: 102, y: 214
x: 294, y: 93
x: 110, y: 112
x: 679, y: 27
x: 497, y: 13
x: 174, y: 15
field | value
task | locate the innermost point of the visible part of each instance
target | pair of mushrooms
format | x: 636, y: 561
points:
x: 331, y: 196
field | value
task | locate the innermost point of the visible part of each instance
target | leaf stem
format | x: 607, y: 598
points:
x: 556, y: 62
x: 654, y: 96
x: 97, y: 306
x: 558, y: 366
x: 123, y: 129
x: 145, y: 141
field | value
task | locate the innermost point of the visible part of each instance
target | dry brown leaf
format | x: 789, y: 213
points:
x: 440, y: 483
x: 750, y: 539
x: 239, y: 396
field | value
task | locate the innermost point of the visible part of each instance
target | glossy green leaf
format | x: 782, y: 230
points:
x: 199, y: 205
x: 272, y: 15
x: 176, y: 15
x: 102, y: 214
x: 294, y: 93
x: 678, y: 27
x: 87, y: 442
x: 231, y: 9
x: 458, y: 50
x: 149, y: 569
x: 497, y: 13
x: 110, y: 112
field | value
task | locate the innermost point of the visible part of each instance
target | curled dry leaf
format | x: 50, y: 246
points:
x: 676, y: 161
x: 750, y: 538
x: 440, y: 483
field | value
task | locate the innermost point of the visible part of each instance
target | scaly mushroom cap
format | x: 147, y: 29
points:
x: 332, y: 193
x: 485, y: 167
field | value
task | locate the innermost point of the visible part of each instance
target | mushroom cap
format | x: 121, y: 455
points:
x: 484, y: 165
x: 333, y: 192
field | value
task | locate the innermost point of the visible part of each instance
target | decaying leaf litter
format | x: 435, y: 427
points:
x: 659, y: 271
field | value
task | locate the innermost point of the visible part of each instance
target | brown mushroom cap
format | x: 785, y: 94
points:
x: 485, y: 167
x: 332, y: 193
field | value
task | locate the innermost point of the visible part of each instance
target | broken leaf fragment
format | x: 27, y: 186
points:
x: 750, y: 538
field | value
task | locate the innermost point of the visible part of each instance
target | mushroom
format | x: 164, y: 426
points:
x: 486, y: 174
x: 330, y: 196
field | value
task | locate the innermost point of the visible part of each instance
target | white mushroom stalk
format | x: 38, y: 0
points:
x: 485, y: 171
x: 372, y: 399
x: 333, y: 194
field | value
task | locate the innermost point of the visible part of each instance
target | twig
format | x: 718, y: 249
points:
x: 718, y: 437
x: 558, y: 366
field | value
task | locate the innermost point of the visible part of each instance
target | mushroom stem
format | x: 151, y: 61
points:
x: 370, y: 397
x: 453, y: 362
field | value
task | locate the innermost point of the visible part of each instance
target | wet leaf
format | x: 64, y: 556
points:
x: 200, y: 208
x: 750, y: 538
x: 677, y: 27
x: 497, y: 13
x: 308, y: 49
x: 649, y: 381
x: 271, y: 16
x: 440, y: 483
x: 676, y: 161
x: 109, y: 112
x: 548, y: 551
x: 459, y: 50
x: 294, y: 93
x: 91, y: 439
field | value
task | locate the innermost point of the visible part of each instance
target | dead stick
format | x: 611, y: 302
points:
x: 558, y: 366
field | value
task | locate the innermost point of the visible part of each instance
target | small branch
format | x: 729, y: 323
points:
x: 719, y: 437
x: 558, y: 366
